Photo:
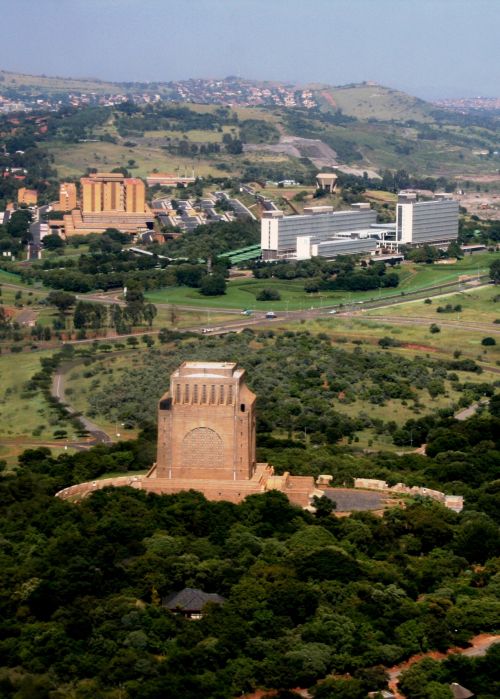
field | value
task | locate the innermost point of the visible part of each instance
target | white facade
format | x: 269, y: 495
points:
x: 426, y: 222
x: 344, y: 246
x: 280, y: 234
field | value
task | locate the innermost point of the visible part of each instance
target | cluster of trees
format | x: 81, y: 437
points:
x: 109, y: 266
x: 475, y: 230
x: 20, y: 135
x: 306, y: 596
x: 301, y: 380
x: 132, y: 119
x: 314, y: 124
x: 95, y: 316
x: 213, y: 239
x: 322, y: 274
x: 430, y: 679
x: 428, y: 254
x: 16, y: 232
x: 258, y: 131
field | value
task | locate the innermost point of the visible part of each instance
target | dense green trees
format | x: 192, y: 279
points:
x: 429, y: 679
x: 308, y: 596
x: 81, y: 586
x: 213, y: 285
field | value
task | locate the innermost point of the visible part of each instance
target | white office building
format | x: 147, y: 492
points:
x: 303, y: 236
x: 432, y: 222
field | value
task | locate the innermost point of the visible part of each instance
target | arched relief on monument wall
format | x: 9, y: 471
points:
x: 202, y: 448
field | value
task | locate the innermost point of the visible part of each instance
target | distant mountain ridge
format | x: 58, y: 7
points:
x: 363, y: 100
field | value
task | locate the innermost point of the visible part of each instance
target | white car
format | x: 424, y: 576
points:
x: 332, y: 311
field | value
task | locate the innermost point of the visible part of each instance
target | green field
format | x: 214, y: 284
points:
x: 193, y: 135
x: 416, y: 339
x: 379, y: 102
x: 72, y: 160
x: 20, y: 413
x: 9, y: 278
x: 49, y: 84
x: 242, y: 293
x: 481, y: 305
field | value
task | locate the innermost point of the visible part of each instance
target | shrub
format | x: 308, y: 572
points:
x: 389, y: 342
x: 268, y: 295
x: 213, y: 285
x: 434, y: 328
x: 488, y: 341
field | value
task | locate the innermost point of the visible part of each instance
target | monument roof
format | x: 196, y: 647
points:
x: 208, y: 370
x: 208, y: 365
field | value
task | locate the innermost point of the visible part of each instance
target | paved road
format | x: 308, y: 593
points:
x: 98, y: 436
x: 466, y: 413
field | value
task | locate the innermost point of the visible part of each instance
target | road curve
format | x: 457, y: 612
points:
x: 479, y: 646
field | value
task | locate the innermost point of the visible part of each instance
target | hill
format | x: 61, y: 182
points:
x: 372, y: 101
x: 368, y: 126
x: 53, y: 85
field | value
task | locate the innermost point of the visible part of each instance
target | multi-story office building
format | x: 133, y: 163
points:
x: 432, y: 222
x: 279, y: 233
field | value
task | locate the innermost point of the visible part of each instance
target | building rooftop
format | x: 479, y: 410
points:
x: 460, y: 692
x: 208, y: 365
x: 191, y: 600
x: 208, y: 370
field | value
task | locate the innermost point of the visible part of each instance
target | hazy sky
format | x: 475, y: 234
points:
x: 430, y: 48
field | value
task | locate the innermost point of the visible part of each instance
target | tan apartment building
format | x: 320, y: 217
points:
x: 109, y: 200
x: 27, y: 196
x: 105, y: 191
x: 67, y: 196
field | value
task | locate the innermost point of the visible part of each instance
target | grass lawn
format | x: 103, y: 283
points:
x: 421, y: 276
x: 9, y: 278
x: 478, y: 305
x: 242, y: 293
x: 380, y: 195
x: 21, y: 414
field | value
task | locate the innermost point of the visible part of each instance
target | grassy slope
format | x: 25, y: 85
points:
x: 56, y: 84
x: 376, y: 101
x: 19, y: 415
x: 381, y: 143
x: 478, y: 305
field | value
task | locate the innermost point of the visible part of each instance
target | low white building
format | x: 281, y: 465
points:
x: 280, y: 234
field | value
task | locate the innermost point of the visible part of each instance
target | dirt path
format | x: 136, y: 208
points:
x: 478, y: 646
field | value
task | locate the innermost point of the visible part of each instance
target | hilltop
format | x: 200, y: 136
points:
x: 372, y: 101
x: 362, y: 127
x: 53, y: 84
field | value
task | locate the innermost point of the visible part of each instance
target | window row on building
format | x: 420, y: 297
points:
x: 203, y: 394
